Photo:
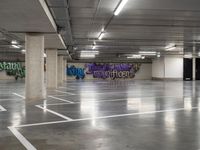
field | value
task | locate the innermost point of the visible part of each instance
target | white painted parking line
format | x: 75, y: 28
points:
x: 67, y: 88
x: 55, y: 113
x: 19, y: 95
x: 100, y: 101
x: 65, y: 92
x: 22, y: 139
x: 2, y: 108
x: 1, y: 100
x: 106, y: 117
x: 60, y: 99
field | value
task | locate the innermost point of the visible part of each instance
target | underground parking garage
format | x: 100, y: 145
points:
x: 99, y: 75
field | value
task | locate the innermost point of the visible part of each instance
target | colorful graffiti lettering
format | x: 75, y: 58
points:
x: 77, y: 72
x: 112, y: 70
x: 13, y: 69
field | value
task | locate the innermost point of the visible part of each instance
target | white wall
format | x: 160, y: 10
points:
x: 173, y: 67
x: 145, y: 72
x: 4, y: 76
x: 158, y: 68
x: 168, y: 67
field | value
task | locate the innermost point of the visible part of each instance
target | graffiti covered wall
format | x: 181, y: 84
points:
x: 13, y: 69
x: 112, y: 71
x: 109, y: 71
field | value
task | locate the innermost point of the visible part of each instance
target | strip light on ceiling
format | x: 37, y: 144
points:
x: 101, y: 35
x: 148, y: 53
x: 188, y: 56
x: 90, y: 52
x: 135, y: 57
x: 120, y: 7
x: 170, y: 47
x: 16, y: 46
x: 93, y: 46
x: 14, y: 42
x: 85, y: 55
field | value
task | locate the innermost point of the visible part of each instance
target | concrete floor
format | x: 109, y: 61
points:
x: 102, y: 115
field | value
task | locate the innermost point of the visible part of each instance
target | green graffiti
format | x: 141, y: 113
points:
x: 13, y: 69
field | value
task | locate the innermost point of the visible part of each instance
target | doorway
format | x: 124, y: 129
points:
x: 187, y: 75
x: 197, y: 68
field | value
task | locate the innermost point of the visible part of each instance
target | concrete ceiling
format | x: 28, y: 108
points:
x: 21, y: 16
x: 148, y: 25
x: 142, y: 25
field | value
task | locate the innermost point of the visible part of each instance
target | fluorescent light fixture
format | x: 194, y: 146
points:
x: 188, y: 56
x: 170, y: 47
x: 158, y: 54
x: 90, y: 52
x: 135, y: 57
x: 148, y: 53
x: 143, y: 57
x: 83, y: 55
x: 14, y: 42
x: 23, y: 51
x: 120, y: 7
x: 16, y: 46
x: 101, y: 35
x: 93, y: 46
x: 45, y: 55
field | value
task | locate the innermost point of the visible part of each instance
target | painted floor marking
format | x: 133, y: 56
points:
x: 64, y: 100
x: 100, y: 101
x: 19, y: 95
x: 67, y: 88
x: 55, y: 113
x: 106, y: 117
x: 22, y: 139
x: 65, y: 92
x: 2, y: 108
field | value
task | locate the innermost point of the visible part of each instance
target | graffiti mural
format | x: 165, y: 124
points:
x: 13, y: 69
x: 79, y: 73
x: 112, y: 71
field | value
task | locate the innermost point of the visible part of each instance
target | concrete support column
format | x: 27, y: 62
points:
x: 194, y: 63
x: 34, y: 82
x: 194, y: 68
x: 60, y: 71
x: 51, y: 73
x: 64, y: 69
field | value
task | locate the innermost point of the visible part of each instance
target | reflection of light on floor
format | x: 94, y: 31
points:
x: 188, y: 103
x: 45, y: 105
x: 17, y: 116
x: 89, y: 107
x: 134, y: 103
x: 141, y: 106
x: 170, y: 121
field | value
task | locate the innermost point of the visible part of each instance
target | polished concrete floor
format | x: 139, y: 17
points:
x: 102, y: 115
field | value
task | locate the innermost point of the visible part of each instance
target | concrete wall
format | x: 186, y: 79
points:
x: 4, y: 76
x: 158, y: 68
x: 174, y: 67
x: 145, y: 72
x: 167, y: 68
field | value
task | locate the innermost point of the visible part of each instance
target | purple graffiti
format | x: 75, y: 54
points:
x: 112, y: 70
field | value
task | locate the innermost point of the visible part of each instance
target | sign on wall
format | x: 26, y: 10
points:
x: 104, y: 71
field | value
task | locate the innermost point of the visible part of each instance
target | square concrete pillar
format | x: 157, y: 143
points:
x: 51, y: 73
x: 60, y: 71
x: 34, y: 60
x: 64, y: 69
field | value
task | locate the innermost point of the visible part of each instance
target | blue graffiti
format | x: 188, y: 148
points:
x: 77, y: 72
